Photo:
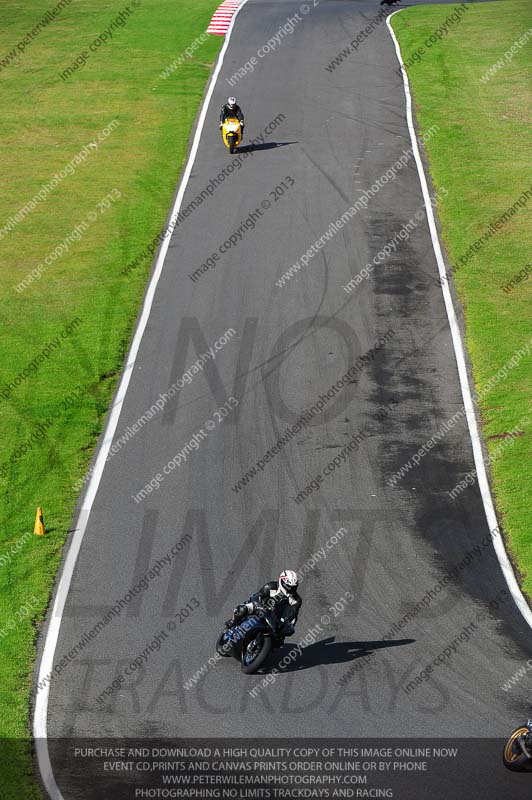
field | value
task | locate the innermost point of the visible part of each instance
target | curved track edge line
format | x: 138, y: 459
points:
x: 40, y: 715
x: 483, y: 482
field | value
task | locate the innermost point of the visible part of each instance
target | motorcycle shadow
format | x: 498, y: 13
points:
x: 328, y: 651
x: 252, y: 148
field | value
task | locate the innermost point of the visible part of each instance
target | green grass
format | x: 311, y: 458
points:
x: 482, y: 156
x: 44, y: 123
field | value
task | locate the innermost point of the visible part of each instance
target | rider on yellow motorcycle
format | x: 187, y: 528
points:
x: 232, y: 109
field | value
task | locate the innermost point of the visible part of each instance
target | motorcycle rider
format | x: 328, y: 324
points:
x: 232, y: 109
x: 280, y: 596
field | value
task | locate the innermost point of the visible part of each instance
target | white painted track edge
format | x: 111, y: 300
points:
x: 40, y: 716
x: 459, y: 350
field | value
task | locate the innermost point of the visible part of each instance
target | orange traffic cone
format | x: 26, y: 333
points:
x: 38, y: 528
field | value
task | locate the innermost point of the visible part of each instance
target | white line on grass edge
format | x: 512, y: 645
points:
x: 40, y: 731
x: 460, y: 360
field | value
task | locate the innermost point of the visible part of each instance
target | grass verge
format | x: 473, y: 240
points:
x: 478, y: 89
x: 69, y: 225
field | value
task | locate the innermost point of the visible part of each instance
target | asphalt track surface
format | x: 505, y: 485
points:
x: 341, y: 131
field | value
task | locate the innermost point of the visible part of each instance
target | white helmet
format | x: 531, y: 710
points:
x: 231, y: 102
x: 288, y: 582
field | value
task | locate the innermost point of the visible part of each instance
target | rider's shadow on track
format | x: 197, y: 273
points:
x: 327, y: 651
x: 253, y: 148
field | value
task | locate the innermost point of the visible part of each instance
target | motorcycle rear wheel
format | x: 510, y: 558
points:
x: 512, y: 756
x: 260, y: 658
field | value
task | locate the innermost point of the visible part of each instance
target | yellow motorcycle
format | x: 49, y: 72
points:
x: 517, y: 753
x: 232, y: 133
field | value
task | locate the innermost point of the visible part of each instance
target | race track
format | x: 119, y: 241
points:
x: 327, y: 137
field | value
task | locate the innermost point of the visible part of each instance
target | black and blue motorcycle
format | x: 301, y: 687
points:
x: 251, y: 639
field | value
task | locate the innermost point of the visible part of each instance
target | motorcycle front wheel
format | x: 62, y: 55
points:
x: 255, y: 653
x: 232, y: 144
x: 222, y: 647
x: 512, y: 755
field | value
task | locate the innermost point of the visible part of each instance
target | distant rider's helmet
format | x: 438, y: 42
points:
x: 288, y: 582
x: 231, y: 102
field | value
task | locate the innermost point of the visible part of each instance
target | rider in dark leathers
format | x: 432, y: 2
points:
x: 281, y: 596
x: 232, y: 109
